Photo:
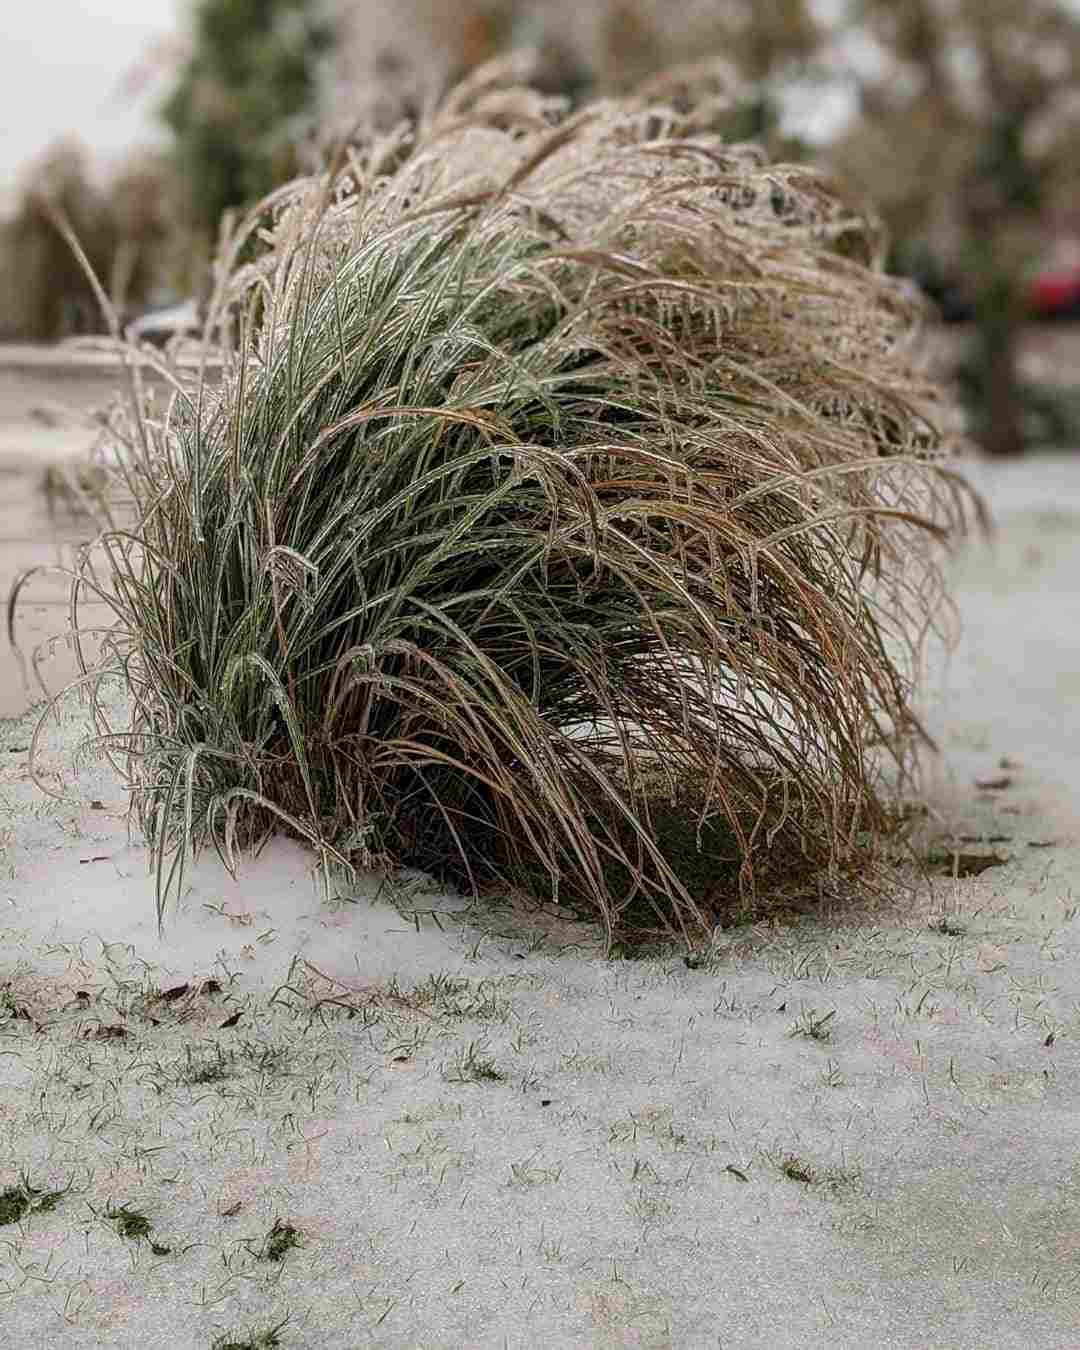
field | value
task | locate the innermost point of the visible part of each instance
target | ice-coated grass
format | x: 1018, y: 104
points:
x: 567, y: 514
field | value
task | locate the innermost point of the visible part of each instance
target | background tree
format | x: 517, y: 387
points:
x: 964, y: 135
x: 399, y: 55
x: 244, y: 99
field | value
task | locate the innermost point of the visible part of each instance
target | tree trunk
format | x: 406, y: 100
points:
x: 998, y: 318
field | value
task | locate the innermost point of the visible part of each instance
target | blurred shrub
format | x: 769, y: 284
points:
x: 124, y: 226
x: 45, y: 293
x: 142, y: 202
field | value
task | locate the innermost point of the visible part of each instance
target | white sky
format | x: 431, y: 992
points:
x: 63, y: 65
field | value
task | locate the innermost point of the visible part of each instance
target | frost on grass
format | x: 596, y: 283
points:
x: 567, y: 517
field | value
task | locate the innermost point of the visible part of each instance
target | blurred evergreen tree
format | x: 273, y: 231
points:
x: 242, y: 102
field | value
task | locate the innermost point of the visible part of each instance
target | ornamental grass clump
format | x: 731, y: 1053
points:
x: 565, y: 518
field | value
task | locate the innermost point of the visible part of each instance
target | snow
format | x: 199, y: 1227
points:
x: 622, y: 1182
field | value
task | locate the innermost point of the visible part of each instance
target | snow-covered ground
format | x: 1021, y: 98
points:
x: 851, y: 1130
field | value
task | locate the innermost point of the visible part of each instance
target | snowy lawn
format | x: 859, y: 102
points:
x: 398, y: 1120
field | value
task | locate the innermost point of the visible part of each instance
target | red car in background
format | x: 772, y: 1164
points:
x: 1055, y: 294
